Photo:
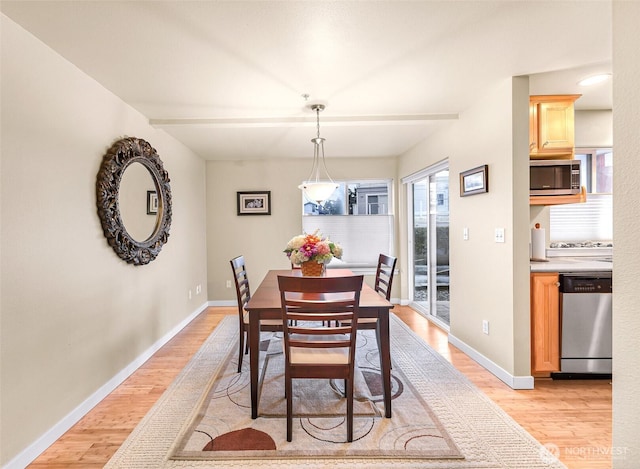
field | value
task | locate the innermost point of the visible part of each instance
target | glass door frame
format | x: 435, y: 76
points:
x: 432, y: 282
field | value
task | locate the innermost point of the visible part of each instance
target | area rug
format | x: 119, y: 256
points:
x: 455, y: 425
x: 223, y: 427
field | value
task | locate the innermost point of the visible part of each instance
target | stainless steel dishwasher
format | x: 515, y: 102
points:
x: 585, y: 346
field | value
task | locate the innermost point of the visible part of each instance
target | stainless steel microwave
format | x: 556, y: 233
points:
x: 554, y: 177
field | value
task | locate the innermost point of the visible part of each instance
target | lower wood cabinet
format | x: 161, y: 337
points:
x: 545, y: 323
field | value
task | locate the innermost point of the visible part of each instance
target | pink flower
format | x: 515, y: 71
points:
x: 309, y: 250
x: 323, y: 248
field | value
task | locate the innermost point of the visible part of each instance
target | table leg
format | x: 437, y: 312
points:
x: 385, y: 358
x: 254, y: 351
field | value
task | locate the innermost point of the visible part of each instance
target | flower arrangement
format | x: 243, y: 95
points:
x: 312, y: 247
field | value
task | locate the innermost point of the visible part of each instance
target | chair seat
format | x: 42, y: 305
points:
x: 309, y: 356
x: 362, y: 321
x: 367, y: 320
x: 263, y: 322
x: 305, y: 355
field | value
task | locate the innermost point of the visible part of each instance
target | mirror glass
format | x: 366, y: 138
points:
x: 133, y: 199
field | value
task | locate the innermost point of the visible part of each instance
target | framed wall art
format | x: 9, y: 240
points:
x: 474, y: 181
x: 152, y: 203
x: 254, y: 203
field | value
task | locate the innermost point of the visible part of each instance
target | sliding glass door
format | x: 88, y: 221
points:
x: 428, y: 197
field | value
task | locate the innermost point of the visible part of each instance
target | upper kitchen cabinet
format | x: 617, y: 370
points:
x: 551, y: 126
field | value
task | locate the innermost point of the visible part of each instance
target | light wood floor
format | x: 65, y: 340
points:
x: 575, y: 416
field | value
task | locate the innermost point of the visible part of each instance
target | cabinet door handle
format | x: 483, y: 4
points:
x: 545, y: 143
x: 532, y: 145
x: 558, y: 284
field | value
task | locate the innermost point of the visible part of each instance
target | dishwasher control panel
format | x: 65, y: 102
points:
x: 583, y: 282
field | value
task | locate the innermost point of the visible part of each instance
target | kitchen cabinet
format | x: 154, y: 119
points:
x: 552, y: 126
x: 545, y: 323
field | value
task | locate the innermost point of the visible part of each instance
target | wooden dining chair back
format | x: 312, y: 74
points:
x: 243, y: 293
x: 384, y: 281
x: 384, y: 275
x: 312, y: 348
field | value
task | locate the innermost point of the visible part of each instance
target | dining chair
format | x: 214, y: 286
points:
x: 384, y: 275
x: 312, y: 348
x: 383, y: 282
x: 243, y: 292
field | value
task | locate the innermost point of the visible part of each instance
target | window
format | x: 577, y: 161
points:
x: 597, y: 169
x: 358, y: 216
x: 592, y: 220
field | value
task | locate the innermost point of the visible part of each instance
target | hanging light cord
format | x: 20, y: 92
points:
x: 318, y: 146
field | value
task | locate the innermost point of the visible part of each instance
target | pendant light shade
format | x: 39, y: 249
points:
x: 315, y: 188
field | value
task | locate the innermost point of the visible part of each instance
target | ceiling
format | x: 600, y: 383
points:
x: 227, y: 78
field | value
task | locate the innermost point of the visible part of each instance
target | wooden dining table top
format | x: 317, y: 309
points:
x: 267, y: 297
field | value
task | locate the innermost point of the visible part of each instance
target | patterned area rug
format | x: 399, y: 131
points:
x: 223, y: 427
x: 445, y: 423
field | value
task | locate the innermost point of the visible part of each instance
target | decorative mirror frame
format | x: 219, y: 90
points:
x: 123, y: 153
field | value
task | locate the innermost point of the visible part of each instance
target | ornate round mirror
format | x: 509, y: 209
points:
x: 134, y: 200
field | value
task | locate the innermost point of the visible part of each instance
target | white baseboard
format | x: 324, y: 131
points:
x: 514, y: 382
x: 35, y: 449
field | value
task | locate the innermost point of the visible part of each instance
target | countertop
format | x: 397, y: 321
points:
x: 573, y: 264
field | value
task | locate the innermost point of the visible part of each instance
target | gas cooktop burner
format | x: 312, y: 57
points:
x: 582, y: 244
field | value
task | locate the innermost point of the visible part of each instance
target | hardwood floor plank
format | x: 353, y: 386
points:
x: 573, y: 415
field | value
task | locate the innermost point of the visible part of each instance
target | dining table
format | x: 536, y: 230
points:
x: 265, y: 304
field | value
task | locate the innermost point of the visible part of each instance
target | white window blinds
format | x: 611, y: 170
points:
x: 590, y: 221
x: 362, y: 237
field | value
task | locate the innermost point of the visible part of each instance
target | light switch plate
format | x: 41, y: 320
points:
x: 465, y: 233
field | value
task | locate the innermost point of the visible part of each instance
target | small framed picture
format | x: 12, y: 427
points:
x: 152, y: 203
x: 254, y: 203
x: 474, y: 181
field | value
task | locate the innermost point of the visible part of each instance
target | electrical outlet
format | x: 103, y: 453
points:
x: 189, y: 294
x: 499, y: 236
x: 465, y: 233
x: 228, y: 283
x: 485, y: 326
x: 198, y: 289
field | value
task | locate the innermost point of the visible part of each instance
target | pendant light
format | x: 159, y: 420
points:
x: 314, y: 188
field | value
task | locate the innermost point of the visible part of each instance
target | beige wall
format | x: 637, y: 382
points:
x: 626, y: 226
x: 262, y: 238
x: 73, y: 314
x: 594, y: 128
x: 489, y: 281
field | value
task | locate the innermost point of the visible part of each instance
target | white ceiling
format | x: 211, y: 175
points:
x: 227, y: 77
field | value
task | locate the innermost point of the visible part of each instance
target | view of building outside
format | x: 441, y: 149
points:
x: 358, y: 216
x: 353, y: 198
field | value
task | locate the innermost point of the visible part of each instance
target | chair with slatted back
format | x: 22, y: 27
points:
x: 243, y: 293
x: 312, y: 348
x: 383, y: 283
x: 384, y: 275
